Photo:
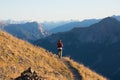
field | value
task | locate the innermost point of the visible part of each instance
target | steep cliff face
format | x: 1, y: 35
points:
x: 29, y: 31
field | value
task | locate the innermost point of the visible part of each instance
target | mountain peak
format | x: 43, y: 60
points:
x: 109, y: 20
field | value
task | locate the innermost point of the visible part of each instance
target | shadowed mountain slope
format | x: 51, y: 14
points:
x: 29, y: 31
x: 96, y: 46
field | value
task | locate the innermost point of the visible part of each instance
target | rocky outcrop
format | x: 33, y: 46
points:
x: 29, y: 74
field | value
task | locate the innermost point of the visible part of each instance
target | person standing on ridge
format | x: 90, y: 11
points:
x: 59, y: 47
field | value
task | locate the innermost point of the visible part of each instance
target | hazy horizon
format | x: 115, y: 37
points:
x: 57, y: 10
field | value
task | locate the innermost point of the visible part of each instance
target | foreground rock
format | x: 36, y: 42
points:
x: 29, y: 74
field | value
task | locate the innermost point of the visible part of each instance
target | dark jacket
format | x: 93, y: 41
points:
x: 59, y: 45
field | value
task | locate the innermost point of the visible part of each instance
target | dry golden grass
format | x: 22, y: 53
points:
x: 85, y: 72
x: 17, y: 55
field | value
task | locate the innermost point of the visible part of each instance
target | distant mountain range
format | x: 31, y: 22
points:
x: 51, y: 25
x: 69, y: 26
x: 32, y: 31
x: 96, y: 46
x: 29, y: 31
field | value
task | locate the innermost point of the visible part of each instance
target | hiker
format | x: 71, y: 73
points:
x: 59, y: 47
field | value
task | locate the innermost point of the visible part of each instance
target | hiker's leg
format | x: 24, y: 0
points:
x: 60, y: 53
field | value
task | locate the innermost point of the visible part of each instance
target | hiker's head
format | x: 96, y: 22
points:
x: 60, y: 40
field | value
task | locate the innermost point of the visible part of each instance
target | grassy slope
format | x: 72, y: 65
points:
x: 17, y: 55
x: 85, y: 72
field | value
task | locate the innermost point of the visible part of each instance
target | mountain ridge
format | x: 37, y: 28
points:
x: 83, y: 23
x: 71, y: 25
x: 17, y: 55
x: 29, y: 31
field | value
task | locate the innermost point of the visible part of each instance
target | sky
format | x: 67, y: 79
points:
x: 57, y: 10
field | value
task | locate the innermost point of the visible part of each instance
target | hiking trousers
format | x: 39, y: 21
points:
x: 60, y: 53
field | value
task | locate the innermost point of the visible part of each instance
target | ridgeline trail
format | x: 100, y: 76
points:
x: 76, y: 74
